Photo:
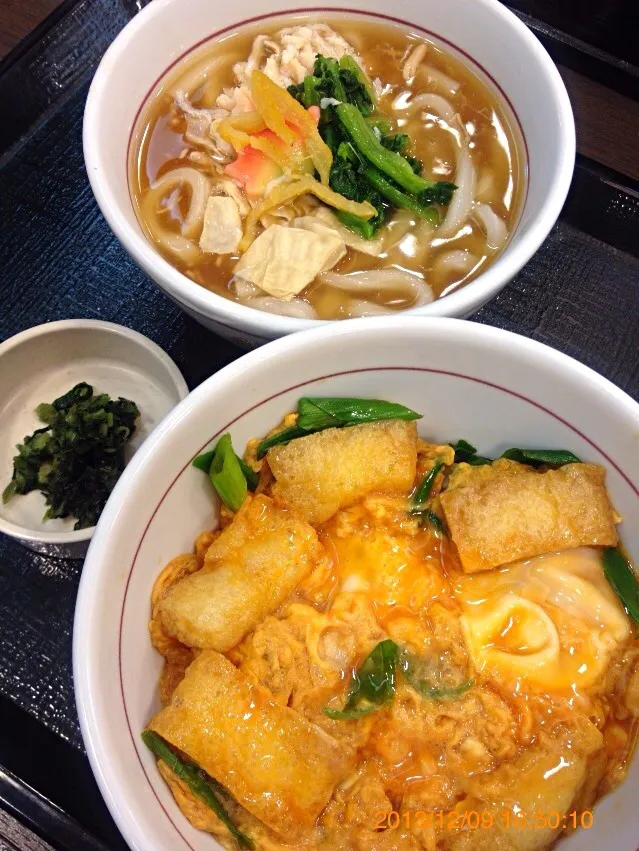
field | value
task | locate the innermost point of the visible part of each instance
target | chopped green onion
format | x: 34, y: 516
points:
x: 281, y: 438
x: 203, y: 462
x: 226, y: 474
x: 317, y: 413
x: 198, y: 781
x: 622, y: 577
x: 423, y: 491
x: 373, y: 683
x: 537, y: 457
x: 465, y: 452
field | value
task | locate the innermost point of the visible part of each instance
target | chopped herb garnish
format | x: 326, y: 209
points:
x: 77, y: 458
x: 373, y: 683
x: 318, y: 413
x: 622, y: 577
x: 204, y: 787
x: 539, y: 457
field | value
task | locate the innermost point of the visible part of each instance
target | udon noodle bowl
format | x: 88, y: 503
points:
x: 327, y: 170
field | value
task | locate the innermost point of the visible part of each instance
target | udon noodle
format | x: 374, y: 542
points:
x: 201, y: 165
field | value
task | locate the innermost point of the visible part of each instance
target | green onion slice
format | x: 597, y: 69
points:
x: 622, y: 577
x: 204, y: 787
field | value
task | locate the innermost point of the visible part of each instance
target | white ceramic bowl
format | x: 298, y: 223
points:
x: 44, y: 362
x: 486, y: 385
x: 483, y: 30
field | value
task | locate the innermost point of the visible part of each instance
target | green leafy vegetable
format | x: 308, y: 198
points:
x: 366, y: 228
x: 373, y: 683
x: 226, y: 474
x: 397, y: 198
x: 317, y: 413
x: 281, y: 438
x: 203, y: 462
x: 369, y: 146
x: 621, y: 576
x: 370, y: 162
x: 424, y: 677
x: 423, y: 491
x: 77, y: 458
x: 538, y: 457
x: 466, y: 452
x: 349, y: 65
x: 427, y: 515
x: 204, y: 787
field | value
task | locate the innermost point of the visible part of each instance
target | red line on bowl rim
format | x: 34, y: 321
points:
x: 224, y: 428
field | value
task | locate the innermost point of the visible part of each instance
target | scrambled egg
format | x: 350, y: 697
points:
x: 530, y: 672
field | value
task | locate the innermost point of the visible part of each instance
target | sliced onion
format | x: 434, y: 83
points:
x: 199, y: 186
x: 495, y: 228
x: 385, y: 280
x: 463, y: 197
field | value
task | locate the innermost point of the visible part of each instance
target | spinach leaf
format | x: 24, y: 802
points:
x: 373, y: 683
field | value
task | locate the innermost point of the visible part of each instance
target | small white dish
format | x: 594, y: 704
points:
x: 44, y: 362
x: 484, y: 33
x: 469, y: 380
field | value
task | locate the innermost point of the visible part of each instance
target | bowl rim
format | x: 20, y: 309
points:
x: 234, y: 315
x: 91, y: 708
x: 22, y: 533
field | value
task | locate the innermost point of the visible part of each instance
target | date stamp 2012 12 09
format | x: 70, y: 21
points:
x: 455, y: 820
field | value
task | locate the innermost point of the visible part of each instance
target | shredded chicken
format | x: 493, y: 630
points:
x: 287, y: 57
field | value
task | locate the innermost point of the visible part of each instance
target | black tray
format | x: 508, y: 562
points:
x: 58, y: 259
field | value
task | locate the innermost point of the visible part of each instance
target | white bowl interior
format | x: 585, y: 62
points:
x: 484, y: 29
x: 44, y: 363
x: 497, y: 390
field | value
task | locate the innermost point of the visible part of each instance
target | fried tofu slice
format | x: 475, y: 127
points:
x: 508, y: 512
x: 249, y: 571
x: 273, y: 761
x: 321, y: 473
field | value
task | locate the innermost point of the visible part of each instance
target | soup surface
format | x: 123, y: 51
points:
x: 383, y: 646
x: 196, y: 141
